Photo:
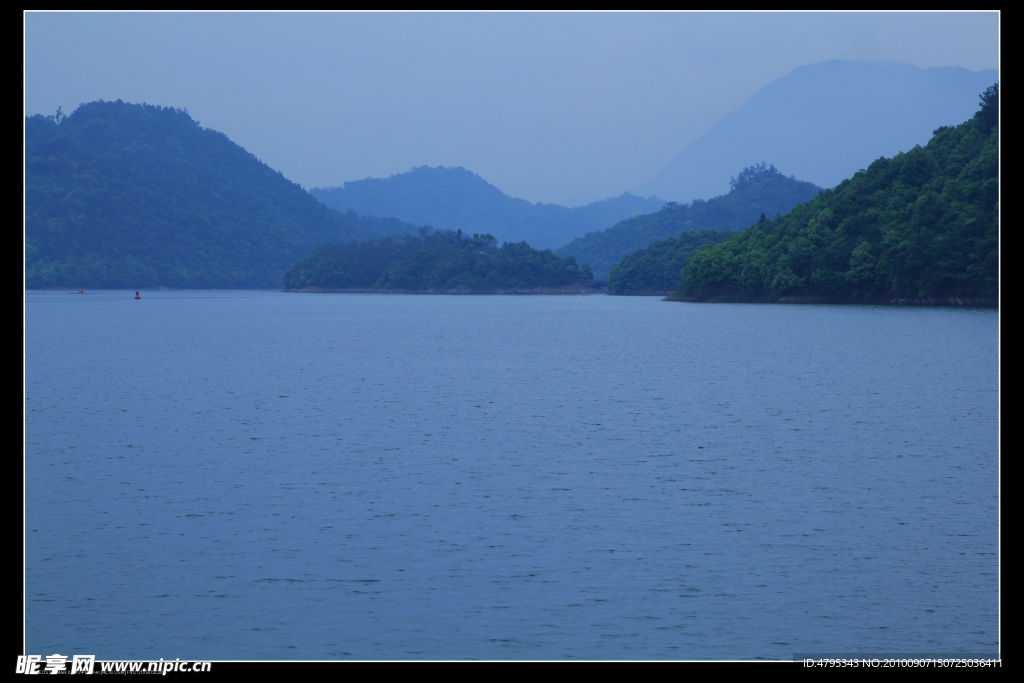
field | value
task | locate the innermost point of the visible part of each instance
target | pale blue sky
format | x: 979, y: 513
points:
x: 554, y: 107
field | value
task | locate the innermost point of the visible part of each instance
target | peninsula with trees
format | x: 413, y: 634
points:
x: 437, y: 262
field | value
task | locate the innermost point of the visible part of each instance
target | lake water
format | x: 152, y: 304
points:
x: 261, y: 475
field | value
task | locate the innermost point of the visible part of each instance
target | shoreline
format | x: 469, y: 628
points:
x: 574, y: 289
x: 965, y: 301
x: 644, y: 292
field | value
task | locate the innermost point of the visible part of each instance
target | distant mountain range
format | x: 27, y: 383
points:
x: 457, y: 199
x: 124, y: 195
x: 133, y: 195
x: 823, y: 122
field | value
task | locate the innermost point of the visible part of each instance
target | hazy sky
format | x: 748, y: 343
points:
x: 553, y: 107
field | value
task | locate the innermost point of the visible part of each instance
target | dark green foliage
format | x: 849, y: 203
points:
x: 439, y: 261
x: 757, y: 189
x: 989, y: 114
x: 457, y: 199
x: 923, y: 225
x: 128, y: 196
x: 656, y: 269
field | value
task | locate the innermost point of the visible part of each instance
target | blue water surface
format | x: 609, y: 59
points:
x: 262, y: 475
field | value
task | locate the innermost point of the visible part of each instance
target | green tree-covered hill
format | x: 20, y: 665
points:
x: 920, y: 227
x: 756, y: 190
x: 131, y: 195
x: 433, y: 261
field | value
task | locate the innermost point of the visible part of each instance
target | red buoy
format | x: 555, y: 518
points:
x: 137, y: 295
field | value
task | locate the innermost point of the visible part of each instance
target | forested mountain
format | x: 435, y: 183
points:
x: 124, y: 195
x: 433, y: 261
x: 755, y: 190
x: 457, y: 199
x: 823, y: 121
x: 920, y: 227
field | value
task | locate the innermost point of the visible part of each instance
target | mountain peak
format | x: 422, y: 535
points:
x: 824, y: 121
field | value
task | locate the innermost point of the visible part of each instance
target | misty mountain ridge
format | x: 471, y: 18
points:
x: 823, y: 122
x: 755, y: 190
x: 458, y: 199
